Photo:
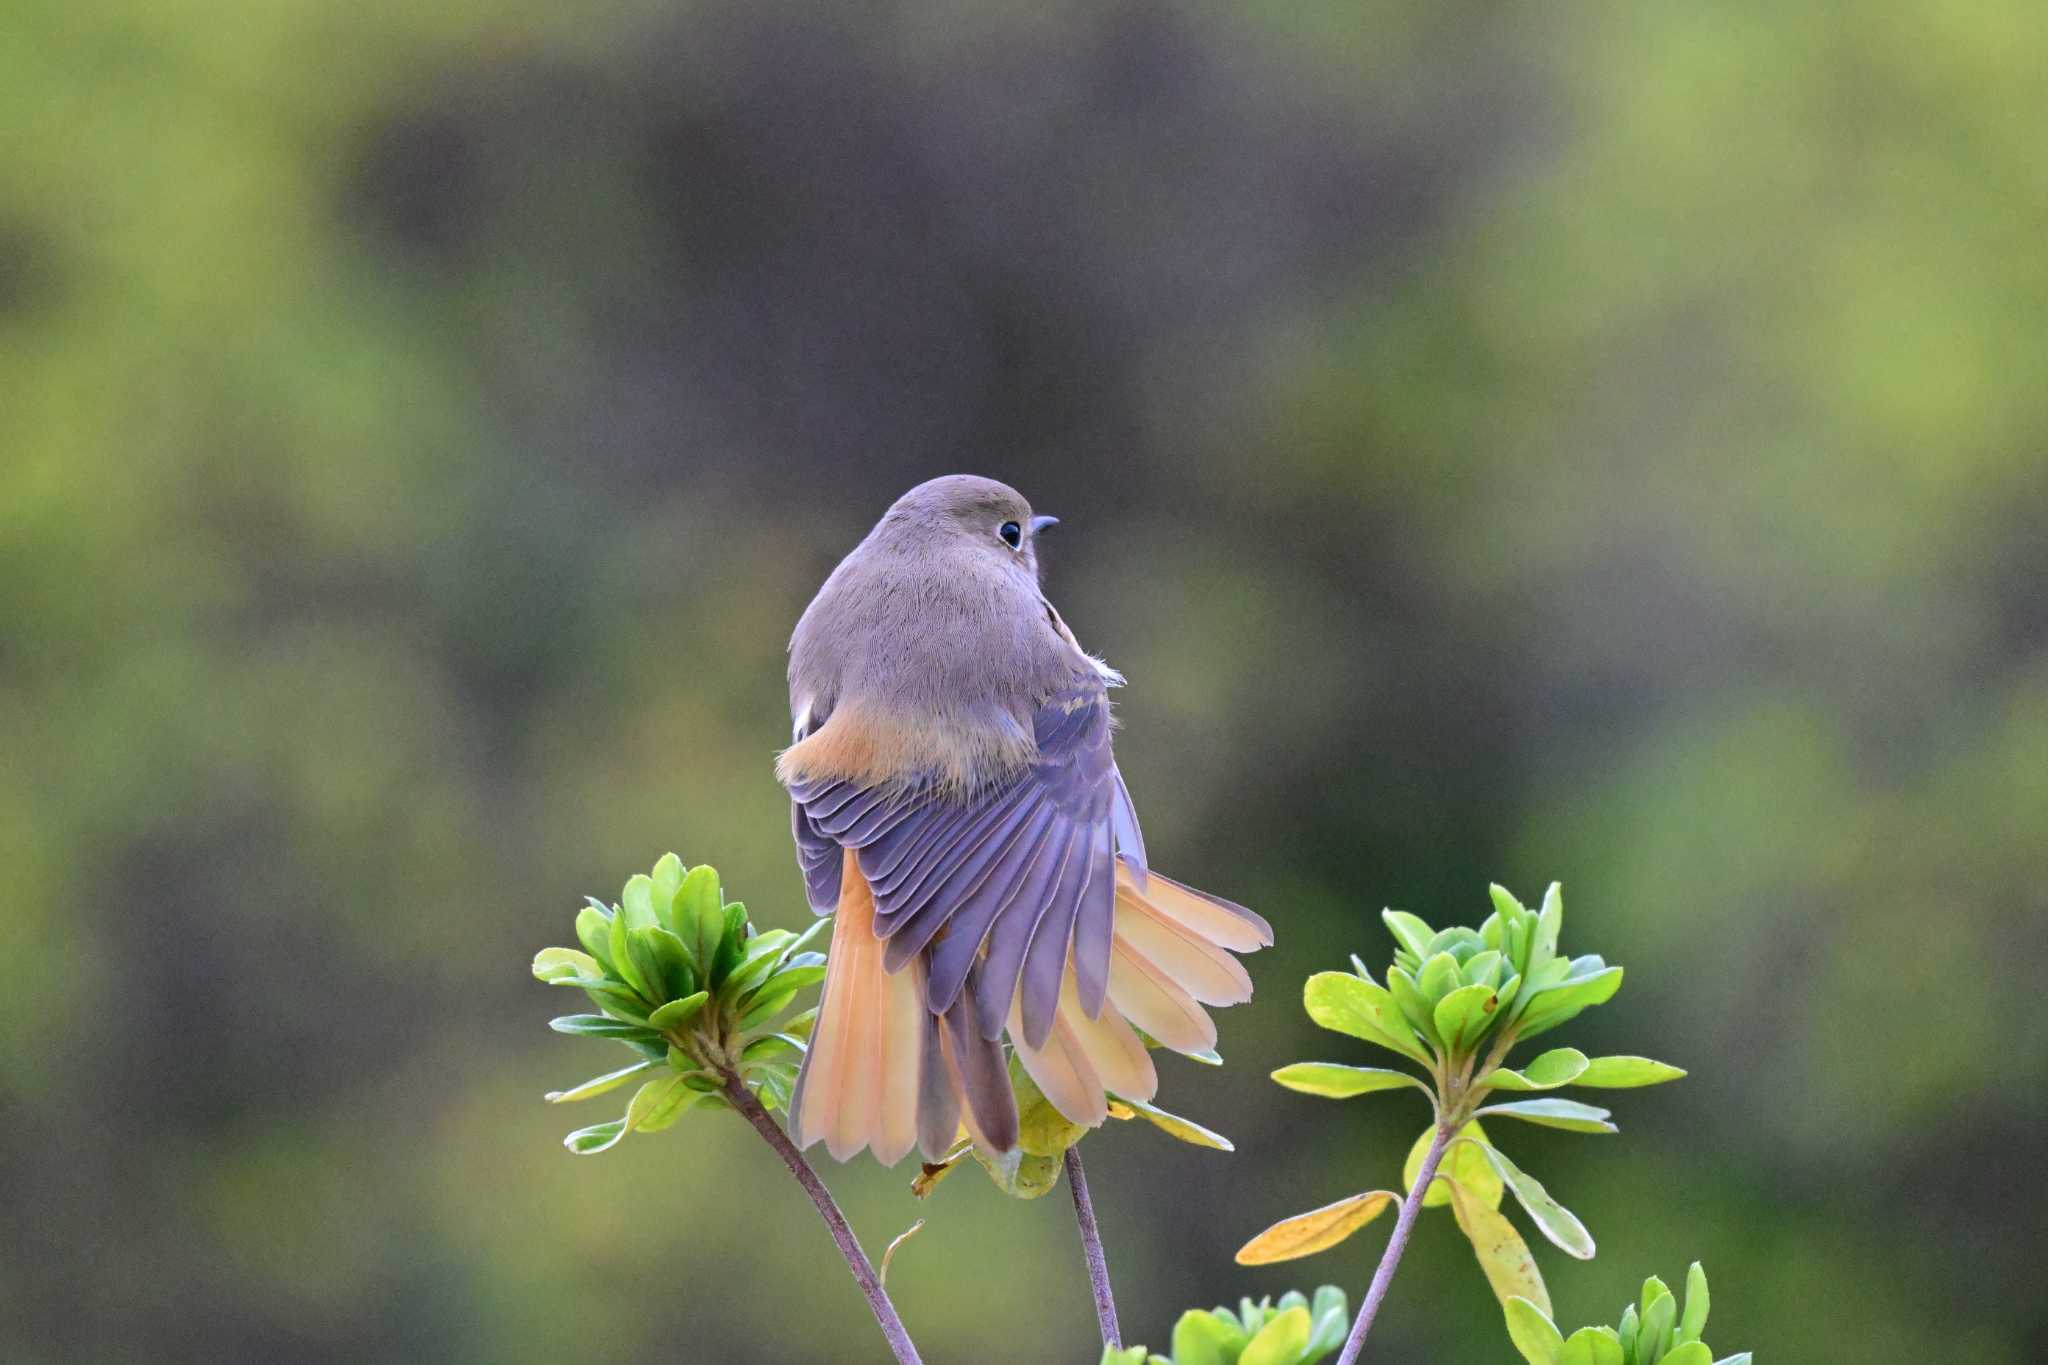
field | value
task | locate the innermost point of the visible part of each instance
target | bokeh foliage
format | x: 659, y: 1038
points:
x: 1601, y: 442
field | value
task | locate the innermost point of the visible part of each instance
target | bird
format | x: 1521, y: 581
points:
x: 956, y: 806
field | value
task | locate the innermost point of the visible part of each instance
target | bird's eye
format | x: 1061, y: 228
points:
x: 1012, y: 534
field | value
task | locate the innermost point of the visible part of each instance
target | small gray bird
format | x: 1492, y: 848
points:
x: 955, y: 802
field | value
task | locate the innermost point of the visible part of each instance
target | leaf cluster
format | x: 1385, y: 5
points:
x: 1294, y: 1331
x: 686, y: 982
x: 1455, y: 1001
x: 1655, y: 1330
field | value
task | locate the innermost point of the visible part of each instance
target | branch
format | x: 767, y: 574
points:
x: 1411, y: 1207
x: 849, y: 1247
x: 1091, y: 1244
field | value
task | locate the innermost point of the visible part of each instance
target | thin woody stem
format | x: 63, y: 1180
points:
x: 835, y: 1221
x: 1091, y: 1245
x: 1396, y: 1245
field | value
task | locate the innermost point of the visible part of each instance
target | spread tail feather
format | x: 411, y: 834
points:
x: 885, y: 1074
x: 865, y: 1072
x: 1170, y: 954
x: 1083, y: 1058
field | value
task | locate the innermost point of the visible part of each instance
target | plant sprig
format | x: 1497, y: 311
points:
x: 686, y: 982
x: 1655, y: 1330
x: 1295, y: 1331
x: 1455, y: 1002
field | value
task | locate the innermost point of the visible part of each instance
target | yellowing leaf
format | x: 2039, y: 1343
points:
x: 1317, y: 1230
x: 1503, y: 1255
x: 1187, y: 1130
x: 1463, y: 1163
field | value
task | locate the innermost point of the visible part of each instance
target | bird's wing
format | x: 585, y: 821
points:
x: 999, y: 886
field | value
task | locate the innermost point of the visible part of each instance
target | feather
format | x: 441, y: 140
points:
x: 982, y: 1078
x: 1143, y: 993
x: 1222, y: 922
x: 1095, y: 924
x: 862, y: 1077
x: 1197, y: 966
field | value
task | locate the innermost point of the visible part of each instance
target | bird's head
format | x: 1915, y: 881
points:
x: 964, y: 513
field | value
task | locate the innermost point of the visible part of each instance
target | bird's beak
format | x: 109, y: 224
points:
x: 1043, y: 524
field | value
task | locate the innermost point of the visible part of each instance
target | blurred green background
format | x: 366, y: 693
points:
x: 1499, y: 442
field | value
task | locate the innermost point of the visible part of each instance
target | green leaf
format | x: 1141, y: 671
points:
x: 1187, y: 1130
x: 1416, y: 1009
x: 1504, y: 903
x: 1549, y: 1008
x: 596, y: 1138
x: 600, y: 1026
x: 1281, y: 1341
x: 565, y: 967
x: 1462, y: 1162
x: 1692, y: 1324
x: 790, y: 980
x: 1345, y: 1004
x: 1129, y: 1355
x: 700, y: 916
x: 655, y: 955
x: 774, y: 995
x: 1503, y: 1256
x: 768, y: 1047
x: 797, y: 945
x: 667, y: 876
x: 1317, y: 1230
x: 1592, y: 1346
x: 1549, y: 924
x: 1660, y: 1316
x: 1206, y: 1339
x: 597, y: 1085
x: 732, y: 943
x: 677, y: 1013
x: 1333, y: 1081
x: 1481, y: 969
x: 1042, y: 1130
x: 1018, y: 1174
x: 1689, y: 1353
x: 1408, y: 931
x: 1437, y: 979
x: 1555, y: 1113
x: 594, y: 932
x: 619, y: 1001
x: 1553, y: 1219
x: 1621, y: 1073
x: 659, y: 1103
x: 636, y: 903
x: 1559, y: 1066
x: 1463, y: 1016
x: 1533, y: 1333
x: 1332, y: 1312
x: 1551, y: 973
x: 622, y: 958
